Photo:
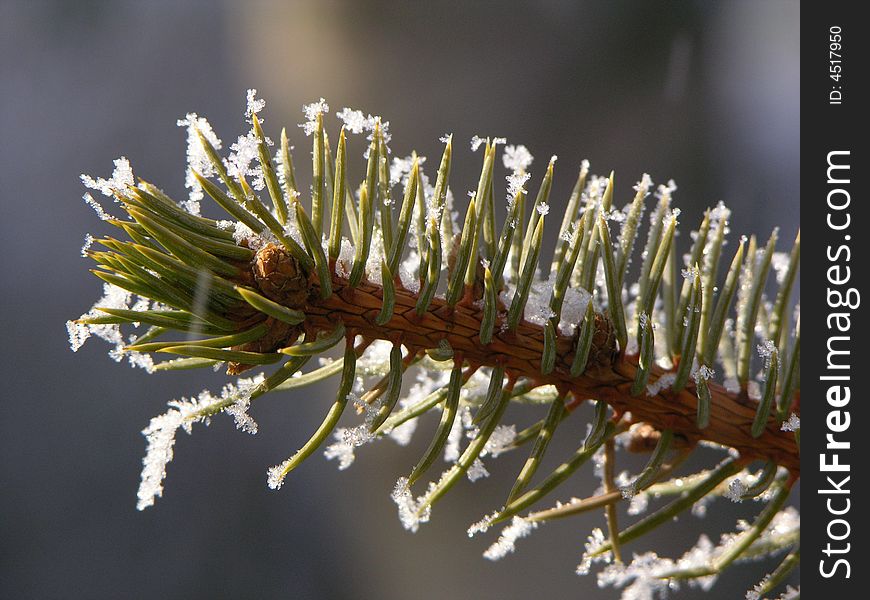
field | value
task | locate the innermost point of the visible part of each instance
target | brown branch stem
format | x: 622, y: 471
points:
x: 608, y: 375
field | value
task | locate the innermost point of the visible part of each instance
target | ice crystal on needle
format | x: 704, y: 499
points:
x: 122, y: 177
x: 161, y: 431
x: 197, y: 158
x: 793, y: 423
x: 254, y: 105
x: 98, y: 208
x: 506, y: 543
x: 311, y: 111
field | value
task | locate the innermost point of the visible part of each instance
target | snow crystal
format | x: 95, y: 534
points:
x: 543, y: 209
x: 408, y: 272
x: 703, y: 372
x: 122, y: 176
x: 113, y: 297
x: 731, y: 385
x: 350, y: 438
x: 736, y: 490
x: 239, y: 412
x: 766, y: 349
x: 476, y: 471
x: 454, y: 438
x: 594, y: 543
x: 344, y: 263
x: 483, y: 525
x: 311, y: 111
x: 638, y: 504
x: 506, y: 544
x: 790, y: 593
x: 354, y: 120
x: 666, y: 189
x: 160, y: 432
x: 78, y: 334
x: 690, y: 273
x: 275, y: 475
x: 254, y: 105
x: 517, y: 158
x: 197, y: 159
x: 340, y: 450
x: 98, y: 208
x: 662, y: 383
x: 243, y: 152
x: 445, y: 138
x: 476, y: 142
x: 500, y: 441
x: 793, y: 423
x: 753, y: 390
x: 645, y: 577
x: 573, y: 309
x: 401, y: 168
x: 516, y: 181
x: 644, y: 184
x: 409, y: 510
x: 89, y: 241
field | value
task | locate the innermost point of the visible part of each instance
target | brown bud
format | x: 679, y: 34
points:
x: 279, y: 276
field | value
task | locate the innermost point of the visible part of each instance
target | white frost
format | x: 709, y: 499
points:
x: 122, y: 176
x: 197, y: 159
x: 506, y: 544
x: 793, y: 423
x: 517, y: 158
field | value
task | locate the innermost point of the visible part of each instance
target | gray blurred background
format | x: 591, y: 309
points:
x: 705, y: 93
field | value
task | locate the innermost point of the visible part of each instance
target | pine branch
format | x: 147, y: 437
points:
x: 281, y: 283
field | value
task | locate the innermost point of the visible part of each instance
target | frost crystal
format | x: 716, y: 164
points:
x: 349, y: 438
x: 161, y: 438
x: 517, y: 158
x: 646, y: 577
x: 311, y: 111
x: 731, y: 385
x: 736, y: 490
x: 275, y: 475
x: 793, y: 423
x: 500, y: 440
x: 791, y: 593
x: 244, y: 152
x: 401, y: 168
x: 594, y: 543
x: 98, y: 208
x: 476, y: 142
x: 113, y: 297
x: 160, y: 432
x: 89, y: 241
x: 476, y: 471
x: 409, y: 510
x: 543, y: 209
x: 506, y: 544
x: 703, y: 372
x: 644, y: 184
x: 197, y: 159
x: 354, y: 120
x: 254, y: 105
x: 454, y: 438
x: 516, y: 181
x: 766, y: 349
x: 662, y: 383
x: 122, y: 177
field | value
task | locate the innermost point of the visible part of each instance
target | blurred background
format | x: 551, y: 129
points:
x: 704, y: 93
